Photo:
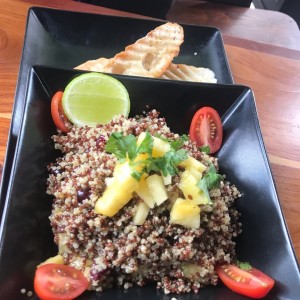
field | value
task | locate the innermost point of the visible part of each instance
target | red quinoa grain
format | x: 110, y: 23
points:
x: 114, y: 251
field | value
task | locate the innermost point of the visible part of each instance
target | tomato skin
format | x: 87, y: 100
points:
x: 252, y: 283
x: 206, y: 129
x: 59, y: 282
x: 59, y: 118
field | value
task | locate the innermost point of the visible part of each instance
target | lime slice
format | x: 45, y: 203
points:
x: 95, y: 98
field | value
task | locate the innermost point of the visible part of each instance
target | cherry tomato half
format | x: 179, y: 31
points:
x: 206, y: 129
x: 252, y: 283
x: 57, y: 282
x: 59, y: 118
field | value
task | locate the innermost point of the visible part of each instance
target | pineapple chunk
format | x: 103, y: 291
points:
x: 57, y: 259
x: 167, y: 179
x: 87, y: 268
x: 62, y: 243
x: 141, y: 213
x: 112, y: 200
x: 191, y: 162
x: 188, y: 185
x: 191, y: 270
x: 195, y: 173
x: 186, y: 213
x: 160, y: 147
x: 109, y: 180
x: 139, y: 162
x: 144, y: 192
x: 123, y: 177
x: 157, y: 188
x: 118, y: 193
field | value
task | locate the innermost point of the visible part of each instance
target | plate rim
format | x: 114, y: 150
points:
x: 259, y: 137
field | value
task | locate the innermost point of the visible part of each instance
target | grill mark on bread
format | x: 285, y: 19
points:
x: 152, y: 56
x: 162, y: 44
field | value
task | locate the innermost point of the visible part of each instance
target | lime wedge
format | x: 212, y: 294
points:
x: 95, y: 98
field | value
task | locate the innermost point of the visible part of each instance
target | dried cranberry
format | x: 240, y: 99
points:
x: 100, y: 142
x: 83, y: 194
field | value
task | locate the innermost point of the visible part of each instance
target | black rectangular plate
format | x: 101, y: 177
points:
x: 26, y: 238
x: 64, y: 39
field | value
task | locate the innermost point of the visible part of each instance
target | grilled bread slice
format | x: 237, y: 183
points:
x: 97, y: 65
x: 189, y: 73
x: 152, y: 56
x: 149, y: 56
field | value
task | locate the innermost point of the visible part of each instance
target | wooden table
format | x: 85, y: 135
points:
x: 263, y: 49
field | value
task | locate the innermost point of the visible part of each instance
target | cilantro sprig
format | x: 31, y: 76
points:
x: 175, y: 144
x: 212, y: 178
x: 126, y: 147
x: 168, y: 163
x: 210, y: 181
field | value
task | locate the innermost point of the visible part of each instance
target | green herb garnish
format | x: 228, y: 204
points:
x: 205, y: 149
x: 212, y: 178
x: 123, y: 146
x: 117, y: 145
x: 146, y: 145
x: 177, y: 144
x: 126, y: 147
x: 244, y: 265
x: 168, y: 163
x: 210, y: 181
x: 203, y: 186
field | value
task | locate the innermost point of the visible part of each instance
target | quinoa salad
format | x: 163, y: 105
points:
x: 112, y: 251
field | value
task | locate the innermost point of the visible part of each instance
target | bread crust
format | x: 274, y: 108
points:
x: 149, y: 56
x: 152, y: 56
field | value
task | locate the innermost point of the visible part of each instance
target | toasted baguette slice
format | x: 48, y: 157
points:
x: 97, y: 65
x: 149, y: 56
x: 189, y: 73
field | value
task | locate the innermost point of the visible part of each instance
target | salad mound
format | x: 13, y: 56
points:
x: 175, y: 241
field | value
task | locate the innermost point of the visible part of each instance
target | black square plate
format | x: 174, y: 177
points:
x: 64, y: 39
x: 26, y: 237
